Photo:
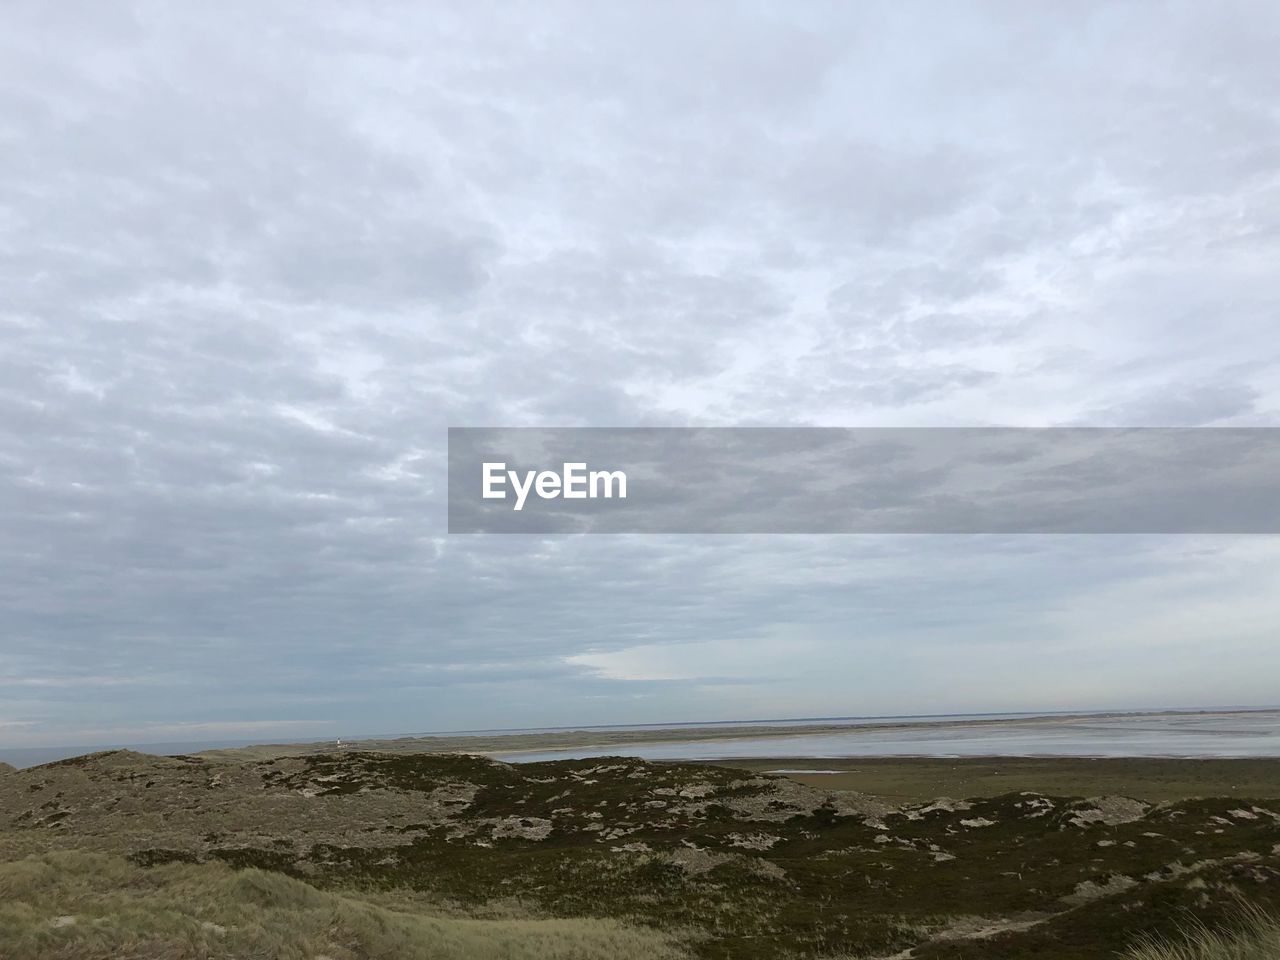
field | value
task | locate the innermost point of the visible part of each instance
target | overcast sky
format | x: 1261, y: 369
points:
x: 256, y: 257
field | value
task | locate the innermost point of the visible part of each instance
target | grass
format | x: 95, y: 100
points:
x: 1154, y: 779
x: 87, y: 906
x: 1256, y: 936
x: 761, y: 868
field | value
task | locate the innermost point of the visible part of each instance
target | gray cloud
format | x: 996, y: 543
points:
x: 255, y: 261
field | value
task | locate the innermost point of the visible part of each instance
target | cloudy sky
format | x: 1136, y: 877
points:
x: 256, y: 258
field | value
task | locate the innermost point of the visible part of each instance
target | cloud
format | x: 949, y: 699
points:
x: 256, y: 260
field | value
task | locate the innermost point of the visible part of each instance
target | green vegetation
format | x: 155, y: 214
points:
x: 1153, y: 779
x: 727, y: 862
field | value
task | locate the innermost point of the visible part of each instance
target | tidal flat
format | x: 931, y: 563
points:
x: 1251, y: 733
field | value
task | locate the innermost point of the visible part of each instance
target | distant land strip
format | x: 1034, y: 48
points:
x: 596, y: 739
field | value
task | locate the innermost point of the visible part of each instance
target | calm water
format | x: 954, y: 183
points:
x: 1186, y: 735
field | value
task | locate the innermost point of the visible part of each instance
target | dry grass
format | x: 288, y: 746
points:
x: 1255, y: 937
x: 88, y: 906
x: 727, y: 864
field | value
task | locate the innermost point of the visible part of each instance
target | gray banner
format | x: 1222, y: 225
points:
x: 865, y: 480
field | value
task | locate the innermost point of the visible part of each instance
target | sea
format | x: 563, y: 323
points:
x: 1175, y: 733
x: 1255, y: 733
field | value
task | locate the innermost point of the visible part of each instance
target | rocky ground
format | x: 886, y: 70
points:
x: 737, y: 863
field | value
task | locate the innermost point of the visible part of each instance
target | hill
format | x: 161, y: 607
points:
x: 728, y: 862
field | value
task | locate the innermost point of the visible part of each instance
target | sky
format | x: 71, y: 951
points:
x: 255, y: 259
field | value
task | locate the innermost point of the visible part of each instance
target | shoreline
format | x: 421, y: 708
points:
x: 516, y: 745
